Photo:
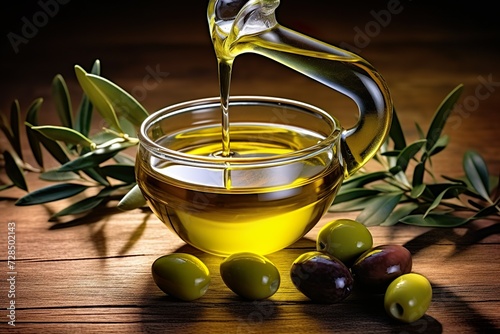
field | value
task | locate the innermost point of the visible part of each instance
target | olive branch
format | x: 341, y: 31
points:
x: 404, y: 189
x: 84, y: 157
x: 393, y: 194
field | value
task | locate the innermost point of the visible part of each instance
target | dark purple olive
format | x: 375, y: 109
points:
x: 376, y: 268
x: 321, y: 277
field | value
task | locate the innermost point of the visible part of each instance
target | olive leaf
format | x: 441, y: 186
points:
x: 418, y: 175
x: 32, y: 119
x: 62, y: 100
x: 132, y: 200
x: 84, y: 115
x: 440, y: 145
x: 15, y: 125
x: 57, y: 176
x: 95, y: 174
x: 404, y: 157
x: 98, y: 99
x: 128, y: 128
x: 417, y: 191
x: 379, y: 209
x: 53, y: 147
x: 396, y: 132
x: 477, y: 173
x: 14, y: 172
x: 454, y: 189
x: 434, y: 220
x: 6, y: 128
x: 95, y: 158
x: 103, y: 137
x: 420, y: 131
x: 399, y: 213
x: 121, y: 101
x: 67, y: 135
x: 440, y: 117
x: 51, y: 193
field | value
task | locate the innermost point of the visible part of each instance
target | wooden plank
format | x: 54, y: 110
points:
x: 119, y: 289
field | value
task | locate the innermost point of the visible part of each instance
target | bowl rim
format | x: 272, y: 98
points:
x: 220, y: 161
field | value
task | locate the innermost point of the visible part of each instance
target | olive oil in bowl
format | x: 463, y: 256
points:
x: 278, y: 181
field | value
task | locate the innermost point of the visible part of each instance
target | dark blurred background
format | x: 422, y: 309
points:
x: 132, y: 38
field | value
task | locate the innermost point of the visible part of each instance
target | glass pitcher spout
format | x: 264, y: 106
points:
x: 250, y: 26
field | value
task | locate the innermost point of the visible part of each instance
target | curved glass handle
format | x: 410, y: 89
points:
x: 243, y: 26
x: 360, y: 143
x: 352, y: 76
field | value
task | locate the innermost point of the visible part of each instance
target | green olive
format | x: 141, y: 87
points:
x: 408, y: 297
x: 182, y: 276
x: 344, y: 239
x: 251, y: 276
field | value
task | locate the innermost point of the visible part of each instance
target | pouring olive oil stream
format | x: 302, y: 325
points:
x: 280, y: 162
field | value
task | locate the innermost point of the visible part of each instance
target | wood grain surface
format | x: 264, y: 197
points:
x: 92, y: 273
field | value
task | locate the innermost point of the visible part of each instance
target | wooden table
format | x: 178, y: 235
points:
x: 92, y: 273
